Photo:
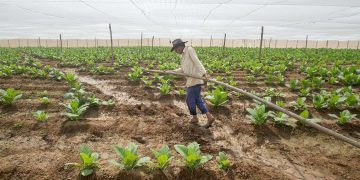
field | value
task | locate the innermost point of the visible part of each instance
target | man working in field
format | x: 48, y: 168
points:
x: 190, y: 64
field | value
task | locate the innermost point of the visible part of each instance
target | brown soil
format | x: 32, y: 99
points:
x: 40, y: 150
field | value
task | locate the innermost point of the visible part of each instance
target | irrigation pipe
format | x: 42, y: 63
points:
x: 272, y: 105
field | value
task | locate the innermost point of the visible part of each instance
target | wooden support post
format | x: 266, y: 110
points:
x: 306, y: 41
x: 211, y: 41
x: 18, y: 42
x: 77, y: 43
x: 327, y: 43
x: 39, y: 42
x: 111, y: 44
x: 224, y: 41
x: 337, y: 47
x: 286, y: 43
x: 347, y: 44
x: 61, y: 47
x: 8, y: 43
x: 316, y: 44
x: 270, y: 43
x: 152, y: 42
x: 141, y: 38
x: 297, y: 41
x: 87, y: 43
x: 128, y: 44
x: 261, y: 40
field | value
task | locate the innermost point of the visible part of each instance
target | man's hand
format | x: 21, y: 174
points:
x: 207, y: 77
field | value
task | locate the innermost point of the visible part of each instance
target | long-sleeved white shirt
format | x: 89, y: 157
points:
x: 190, y: 64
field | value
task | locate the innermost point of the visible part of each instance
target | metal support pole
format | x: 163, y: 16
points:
x: 261, y: 40
x: 111, y: 44
x: 61, y: 46
x: 306, y: 42
x: 152, y: 42
x: 224, y: 41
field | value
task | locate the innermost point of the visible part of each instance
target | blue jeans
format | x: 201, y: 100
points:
x: 193, y: 99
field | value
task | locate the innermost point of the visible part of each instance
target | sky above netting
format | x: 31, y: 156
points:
x: 240, y: 19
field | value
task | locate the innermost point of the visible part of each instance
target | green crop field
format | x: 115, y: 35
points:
x: 126, y: 123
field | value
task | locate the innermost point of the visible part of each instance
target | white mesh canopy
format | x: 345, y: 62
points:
x: 282, y: 19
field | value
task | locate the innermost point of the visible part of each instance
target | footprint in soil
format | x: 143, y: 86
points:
x: 200, y: 134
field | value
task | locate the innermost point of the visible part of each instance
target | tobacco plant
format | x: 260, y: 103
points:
x: 192, y: 155
x: 88, y: 163
x: 128, y: 157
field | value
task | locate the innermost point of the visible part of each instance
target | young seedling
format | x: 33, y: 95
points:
x: 135, y: 75
x: 181, y: 92
x: 299, y: 104
x: 147, y: 82
x: 40, y: 116
x: 70, y: 78
x: 163, y: 157
x: 88, y: 163
x: 345, y: 117
x: 9, y: 96
x: 293, y: 84
x: 128, y: 157
x: 319, y: 101
x: 306, y: 115
x: 192, y: 155
x: 109, y: 102
x: 272, y: 92
x: 164, y: 88
x: 74, y: 109
x: 223, y: 161
x: 258, y: 115
x: 352, y: 99
x: 44, y: 100
x: 304, y: 92
x: 93, y: 100
x: 334, y: 101
x: 218, y: 97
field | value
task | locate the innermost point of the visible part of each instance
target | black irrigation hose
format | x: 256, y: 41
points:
x: 272, y: 105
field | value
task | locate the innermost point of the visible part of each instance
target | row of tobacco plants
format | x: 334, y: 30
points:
x: 128, y: 158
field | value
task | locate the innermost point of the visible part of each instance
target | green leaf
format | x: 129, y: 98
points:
x: 305, y: 114
x: 87, y: 171
x: 142, y: 161
x: 117, y: 164
x: 181, y: 149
